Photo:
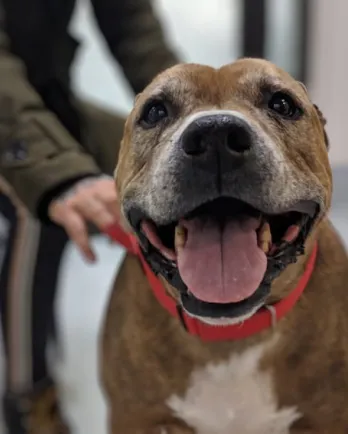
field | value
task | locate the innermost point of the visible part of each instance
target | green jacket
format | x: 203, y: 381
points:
x: 38, y: 154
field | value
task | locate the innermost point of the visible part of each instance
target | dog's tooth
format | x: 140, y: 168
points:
x: 265, y: 232
x: 265, y: 247
x: 180, y: 237
x: 291, y: 233
x: 265, y: 237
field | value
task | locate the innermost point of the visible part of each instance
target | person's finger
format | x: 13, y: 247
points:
x: 109, y: 197
x: 94, y: 210
x: 76, y: 229
x: 113, y: 208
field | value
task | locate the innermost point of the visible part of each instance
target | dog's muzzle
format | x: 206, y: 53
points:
x: 220, y: 171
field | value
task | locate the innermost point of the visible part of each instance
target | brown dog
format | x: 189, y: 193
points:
x: 224, y: 177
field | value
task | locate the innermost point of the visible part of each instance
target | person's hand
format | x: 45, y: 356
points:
x: 91, y: 200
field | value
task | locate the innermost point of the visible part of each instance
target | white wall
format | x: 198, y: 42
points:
x: 202, y: 31
x: 95, y: 75
x: 329, y: 71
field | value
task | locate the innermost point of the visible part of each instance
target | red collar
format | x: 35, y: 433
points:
x: 261, y: 320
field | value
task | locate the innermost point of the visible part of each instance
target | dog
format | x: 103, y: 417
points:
x: 224, y: 180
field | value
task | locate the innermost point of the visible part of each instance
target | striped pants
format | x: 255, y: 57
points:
x: 30, y: 255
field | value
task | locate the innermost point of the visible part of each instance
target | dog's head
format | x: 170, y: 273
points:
x: 222, y: 174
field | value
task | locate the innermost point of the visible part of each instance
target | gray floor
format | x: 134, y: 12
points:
x: 84, y: 289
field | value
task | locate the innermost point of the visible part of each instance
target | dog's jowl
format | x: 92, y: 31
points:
x: 229, y: 315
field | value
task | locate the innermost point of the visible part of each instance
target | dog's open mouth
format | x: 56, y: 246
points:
x: 222, y: 249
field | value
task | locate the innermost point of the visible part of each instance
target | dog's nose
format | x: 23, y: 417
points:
x: 227, y: 133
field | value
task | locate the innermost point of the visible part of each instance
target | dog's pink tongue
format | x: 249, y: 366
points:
x: 221, y: 264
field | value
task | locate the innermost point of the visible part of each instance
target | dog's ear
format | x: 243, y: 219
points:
x: 323, y: 122
x: 303, y: 86
x: 321, y: 116
x: 136, y: 97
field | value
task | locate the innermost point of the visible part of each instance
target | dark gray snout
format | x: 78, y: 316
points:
x: 224, y: 135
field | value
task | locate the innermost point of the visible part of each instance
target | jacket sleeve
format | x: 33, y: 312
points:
x: 135, y: 38
x: 37, y: 154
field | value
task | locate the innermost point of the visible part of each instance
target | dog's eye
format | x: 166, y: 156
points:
x: 284, y: 105
x: 153, y: 114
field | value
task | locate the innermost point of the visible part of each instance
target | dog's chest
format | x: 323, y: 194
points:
x: 233, y: 397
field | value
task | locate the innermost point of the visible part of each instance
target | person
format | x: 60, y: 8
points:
x: 57, y: 154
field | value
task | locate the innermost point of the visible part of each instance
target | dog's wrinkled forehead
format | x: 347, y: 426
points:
x: 199, y: 85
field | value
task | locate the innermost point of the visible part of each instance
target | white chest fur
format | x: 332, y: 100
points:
x: 234, y: 397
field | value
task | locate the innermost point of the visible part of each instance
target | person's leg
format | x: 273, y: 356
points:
x: 28, y: 282
x: 27, y: 289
